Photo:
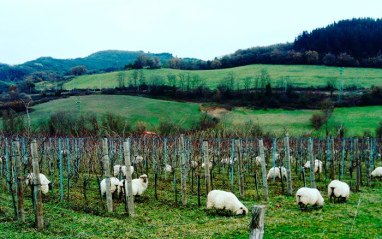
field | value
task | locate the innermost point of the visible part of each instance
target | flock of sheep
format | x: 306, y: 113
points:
x: 218, y: 199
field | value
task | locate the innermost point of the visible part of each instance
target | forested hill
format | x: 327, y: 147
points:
x: 110, y: 60
x: 360, y: 38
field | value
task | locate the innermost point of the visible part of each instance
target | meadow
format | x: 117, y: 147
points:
x: 295, y: 75
x: 357, y: 120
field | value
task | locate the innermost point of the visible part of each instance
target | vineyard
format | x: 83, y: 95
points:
x: 174, y: 203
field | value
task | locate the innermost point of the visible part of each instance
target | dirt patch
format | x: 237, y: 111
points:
x: 214, y: 111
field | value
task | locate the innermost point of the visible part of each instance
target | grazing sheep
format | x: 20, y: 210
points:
x: 377, y: 173
x: 317, y: 166
x: 228, y: 160
x: 194, y: 164
x: 137, y: 159
x: 209, y: 165
x: 169, y: 168
x: 306, y: 196
x: 139, y: 185
x: 115, y: 186
x: 123, y: 169
x: 46, y: 185
x: 276, y: 171
x: 223, y: 200
x: 338, y: 189
x: 258, y: 160
x: 2, y: 159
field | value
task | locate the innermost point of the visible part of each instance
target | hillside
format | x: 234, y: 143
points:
x: 295, y: 75
x: 357, y: 120
x: 100, y: 61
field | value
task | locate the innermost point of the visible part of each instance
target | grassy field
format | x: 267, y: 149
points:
x: 132, y: 108
x: 76, y: 217
x: 297, y: 75
x: 357, y: 120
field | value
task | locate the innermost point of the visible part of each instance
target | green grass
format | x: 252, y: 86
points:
x: 357, y: 120
x: 297, y: 75
x: 131, y: 107
x: 360, y: 217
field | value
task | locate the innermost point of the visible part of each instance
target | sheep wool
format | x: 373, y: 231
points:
x: 169, y: 168
x: 377, y: 172
x: 317, y: 166
x: 338, y: 189
x: 115, y: 185
x: 124, y: 170
x: 258, y: 160
x: 209, y: 165
x: 276, y: 171
x: 309, y: 196
x: 45, y: 183
x: 194, y: 164
x: 225, y: 200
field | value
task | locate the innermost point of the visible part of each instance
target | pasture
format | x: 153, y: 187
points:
x: 74, y: 209
x: 295, y: 75
x: 357, y: 120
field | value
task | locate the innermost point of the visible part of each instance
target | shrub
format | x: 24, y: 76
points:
x: 379, y: 130
x: 317, y: 120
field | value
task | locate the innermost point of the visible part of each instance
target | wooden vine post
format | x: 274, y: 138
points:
x: 256, y: 226
x: 129, y: 192
x: 206, y: 166
x: 37, y: 186
x: 183, y: 170
x: 19, y: 179
x: 240, y: 168
x: 288, y: 166
x: 312, y: 161
x: 263, y: 170
x: 105, y: 151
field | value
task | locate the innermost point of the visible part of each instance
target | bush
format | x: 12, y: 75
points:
x: 139, y: 127
x: 317, y: 121
x: 379, y: 130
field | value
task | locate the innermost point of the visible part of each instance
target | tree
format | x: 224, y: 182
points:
x: 247, y: 82
x: 216, y: 64
x: 121, y: 79
x: 78, y: 70
x: 311, y: 57
x: 327, y: 108
x: 171, y: 80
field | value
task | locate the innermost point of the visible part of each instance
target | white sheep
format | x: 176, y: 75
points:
x: 137, y: 159
x: 275, y: 171
x: 309, y: 196
x: 223, y: 200
x: 317, y: 166
x: 338, y: 189
x: 194, y: 164
x: 115, y: 185
x: 377, y: 173
x: 123, y: 169
x: 169, y: 168
x: 209, y: 165
x: 258, y: 160
x: 46, y: 185
x: 228, y: 160
x: 139, y: 185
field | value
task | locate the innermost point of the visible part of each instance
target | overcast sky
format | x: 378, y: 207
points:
x: 202, y: 29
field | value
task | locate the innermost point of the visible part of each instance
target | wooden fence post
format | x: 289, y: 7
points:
x: 37, y: 186
x: 263, y: 170
x: 129, y: 192
x: 312, y: 162
x: 206, y: 166
x: 256, y: 227
x: 19, y: 178
x: 106, y: 163
x: 183, y: 171
x: 288, y: 166
x: 240, y: 168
